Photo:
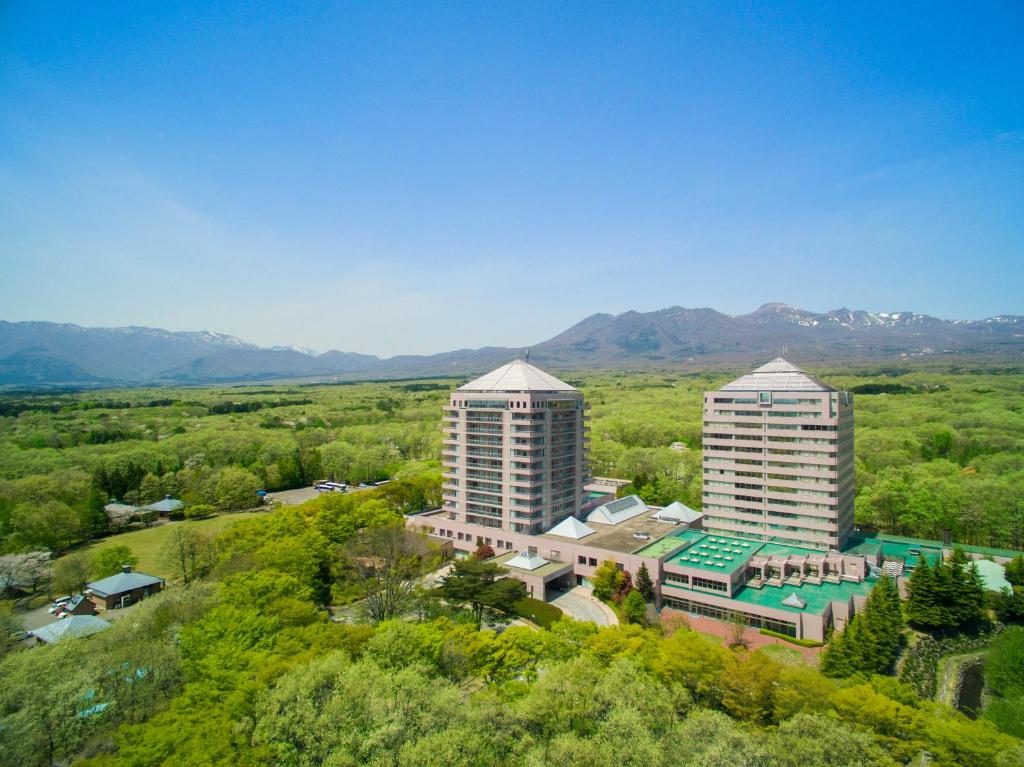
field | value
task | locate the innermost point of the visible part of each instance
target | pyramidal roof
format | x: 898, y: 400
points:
x: 516, y: 376
x: 526, y: 560
x: 794, y: 601
x: 777, y: 375
x: 570, y: 527
x: 678, y: 512
x: 617, y: 511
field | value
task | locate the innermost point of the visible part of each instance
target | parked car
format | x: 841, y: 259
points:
x: 57, y: 604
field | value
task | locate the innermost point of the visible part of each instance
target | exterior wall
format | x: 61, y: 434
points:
x: 113, y: 601
x: 807, y: 626
x: 778, y: 466
x: 567, y: 551
x: 514, y: 461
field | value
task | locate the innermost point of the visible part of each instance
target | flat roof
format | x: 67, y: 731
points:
x: 817, y: 597
x: 620, y: 537
x: 714, y: 553
x: 895, y: 547
x: 543, y: 571
x: 659, y: 548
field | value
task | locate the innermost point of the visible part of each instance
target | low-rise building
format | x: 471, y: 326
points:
x: 122, y: 589
x: 69, y: 628
x: 164, y: 507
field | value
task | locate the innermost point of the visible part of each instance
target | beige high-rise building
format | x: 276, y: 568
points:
x: 778, y: 458
x: 515, y: 451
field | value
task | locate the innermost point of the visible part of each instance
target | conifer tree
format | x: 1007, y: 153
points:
x: 644, y: 584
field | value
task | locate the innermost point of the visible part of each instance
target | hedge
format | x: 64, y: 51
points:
x: 541, y: 613
x: 794, y: 640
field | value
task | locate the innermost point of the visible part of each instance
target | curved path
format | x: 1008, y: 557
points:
x: 580, y: 604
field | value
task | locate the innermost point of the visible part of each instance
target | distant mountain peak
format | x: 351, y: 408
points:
x: 47, y: 354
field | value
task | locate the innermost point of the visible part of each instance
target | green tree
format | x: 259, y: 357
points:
x: 72, y: 572
x: 387, y: 563
x: 108, y: 561
x: 1015, y: 570
x: 199, y: 511
x: 644, y: 584
x: 188, y: 553
x: 236, y: 489
x: 634, y: 608
x: 607, y: 580
x: 10, y: 628
x: 476, y: 584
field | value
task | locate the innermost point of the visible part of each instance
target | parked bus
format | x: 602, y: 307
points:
x: 324, y: 486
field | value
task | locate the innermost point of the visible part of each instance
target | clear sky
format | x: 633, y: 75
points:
x: 419, y: 177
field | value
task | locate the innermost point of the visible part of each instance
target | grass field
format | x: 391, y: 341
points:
x: 541, y: 613
x: 145, y: 544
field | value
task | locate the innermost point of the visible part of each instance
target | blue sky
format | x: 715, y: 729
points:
x: 406, y: 178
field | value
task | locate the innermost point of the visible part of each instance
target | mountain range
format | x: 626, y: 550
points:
x: 45, y: 354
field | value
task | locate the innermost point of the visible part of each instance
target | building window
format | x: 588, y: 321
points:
x: 592, y: 562
x: 707, y: 583
x: 581, y: 560
x: 722, y: 614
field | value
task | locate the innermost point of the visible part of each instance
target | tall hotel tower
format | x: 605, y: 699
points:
x: 778, y: 458
x: 515, y: 450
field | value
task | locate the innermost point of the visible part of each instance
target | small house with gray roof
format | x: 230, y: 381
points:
x: 122, y: 589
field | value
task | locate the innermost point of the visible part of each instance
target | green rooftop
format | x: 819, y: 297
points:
x: 659, y: 548
x: 895, y: 547
x: 816, y: 597
x: 714, y: 553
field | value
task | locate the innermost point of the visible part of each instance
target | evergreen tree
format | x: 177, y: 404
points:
x: 835, y: 660
x: 644, y: 584
x: 1015, y: 570
x: 871, y: 640
x: 923, y: 594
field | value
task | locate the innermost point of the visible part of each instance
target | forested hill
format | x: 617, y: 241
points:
x: 34, y: 354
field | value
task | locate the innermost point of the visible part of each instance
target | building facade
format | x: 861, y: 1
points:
x: 778, y: 459
x: 515, y: 450
x: 773, y: 545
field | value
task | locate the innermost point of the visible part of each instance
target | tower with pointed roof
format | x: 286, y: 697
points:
x: 778, y: 458
x: 515, y: 451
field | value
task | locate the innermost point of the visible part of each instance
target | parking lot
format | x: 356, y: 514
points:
x: 303, y: 494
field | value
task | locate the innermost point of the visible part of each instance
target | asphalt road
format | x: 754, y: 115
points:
x: 579, y: 604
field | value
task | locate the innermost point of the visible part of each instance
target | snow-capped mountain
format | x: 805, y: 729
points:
x: 44, y: 353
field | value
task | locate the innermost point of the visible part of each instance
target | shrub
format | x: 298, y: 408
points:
x: 792, y: 640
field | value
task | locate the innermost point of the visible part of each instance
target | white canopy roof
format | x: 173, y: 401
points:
x: 516, y: 376
x: 570, y: 527
x: 524, y: 560
x: 777, y: 375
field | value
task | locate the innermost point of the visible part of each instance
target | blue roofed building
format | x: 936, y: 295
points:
x: 122, y: 589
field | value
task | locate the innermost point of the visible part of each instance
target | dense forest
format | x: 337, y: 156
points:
x: 243, y: 667
x: 938, y: 451
x: 238, y: 662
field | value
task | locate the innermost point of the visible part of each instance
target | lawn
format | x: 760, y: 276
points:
x: 145, y: 544
x: 541, y: 613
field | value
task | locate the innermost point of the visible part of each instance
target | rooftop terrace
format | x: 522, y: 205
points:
x: 720, y: 554
x: 816, y: 597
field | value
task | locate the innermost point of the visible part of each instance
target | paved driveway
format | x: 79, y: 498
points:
x: 579, y: 604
